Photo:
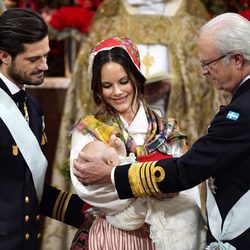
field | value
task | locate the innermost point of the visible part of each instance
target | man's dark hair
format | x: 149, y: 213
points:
x: 19, y: 26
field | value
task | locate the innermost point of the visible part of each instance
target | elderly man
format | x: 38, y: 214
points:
x: 221, y: 156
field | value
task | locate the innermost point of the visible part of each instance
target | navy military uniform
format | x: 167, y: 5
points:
x: 19, y: 206
x: 222, y: 155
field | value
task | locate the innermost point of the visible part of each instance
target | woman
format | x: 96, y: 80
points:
x: 117, y: 85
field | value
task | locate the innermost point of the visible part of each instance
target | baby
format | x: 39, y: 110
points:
x: 173, y: 222
x: 113, y: 154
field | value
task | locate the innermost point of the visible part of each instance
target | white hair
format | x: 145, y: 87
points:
x: 231, y: 33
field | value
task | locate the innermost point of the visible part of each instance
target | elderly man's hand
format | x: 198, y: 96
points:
x: 91, y: 170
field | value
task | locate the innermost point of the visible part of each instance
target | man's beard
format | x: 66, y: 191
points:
x: 21, y: 78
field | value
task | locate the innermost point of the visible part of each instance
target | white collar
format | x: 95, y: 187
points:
x: 139, y: 123
x: 246, y: 78
x: 13, y: 88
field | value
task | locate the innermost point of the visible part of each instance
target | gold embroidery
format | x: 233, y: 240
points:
x: 150, y: 176
x: 26, y: 114
x: 57, y: 203
x: 61, y: 206
x: 161, y: 171
x: 59, y: 213
x: 148, y: 61
x: 65, y: 206
x: 143, y: 179
x: 15, y: 150
x: 44, y: 139
x: 134, y: 180
x: 143, y: 174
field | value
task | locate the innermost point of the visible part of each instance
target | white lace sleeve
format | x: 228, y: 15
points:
x: 127, y: 159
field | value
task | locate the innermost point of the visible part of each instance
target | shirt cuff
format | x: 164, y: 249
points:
x: 113, y: 176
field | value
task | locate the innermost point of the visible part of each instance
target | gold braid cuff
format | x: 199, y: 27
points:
x: 144, y: 178
x: 61, y: 206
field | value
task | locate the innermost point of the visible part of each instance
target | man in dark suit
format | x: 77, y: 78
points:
x: 221, y: 157
x: 24, y: 46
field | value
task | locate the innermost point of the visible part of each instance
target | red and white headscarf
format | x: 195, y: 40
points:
x: 123, y: 42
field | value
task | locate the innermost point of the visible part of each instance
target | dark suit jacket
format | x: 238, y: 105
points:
x: 19, y: 207
x: 223, y: 153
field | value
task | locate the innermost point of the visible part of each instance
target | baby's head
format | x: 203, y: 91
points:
x: 103, y: 151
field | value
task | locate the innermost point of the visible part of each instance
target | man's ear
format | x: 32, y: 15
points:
x: 110, y: 162
x: 238, y: 60
x: 5, y: 57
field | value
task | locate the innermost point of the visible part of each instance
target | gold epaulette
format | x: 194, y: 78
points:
x: 61, y: 205
x: 144, y: 178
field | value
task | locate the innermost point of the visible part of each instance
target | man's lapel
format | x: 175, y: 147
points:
x: 242, y: 89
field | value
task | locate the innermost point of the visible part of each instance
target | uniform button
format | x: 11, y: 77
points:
x: 205, y: 227
x: 27, y: 199
x: 38, y: 217
x: 27, y: 218
x: 39, y: 236
x: 27, y: 236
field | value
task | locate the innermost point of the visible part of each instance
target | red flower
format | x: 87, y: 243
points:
x: 74, y: 17
x: 246, y: 14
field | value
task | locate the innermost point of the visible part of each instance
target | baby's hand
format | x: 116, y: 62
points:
x: 118, y: 145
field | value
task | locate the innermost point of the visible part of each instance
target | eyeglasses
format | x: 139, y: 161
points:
x: 203, y: 64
